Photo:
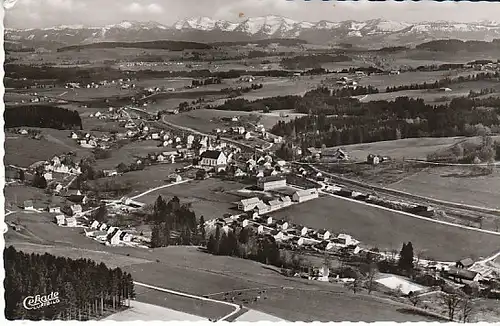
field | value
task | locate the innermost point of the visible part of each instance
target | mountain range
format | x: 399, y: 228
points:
x: 375, y: 32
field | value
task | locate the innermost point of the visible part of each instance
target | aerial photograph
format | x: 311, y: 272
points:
x: 252, y: 160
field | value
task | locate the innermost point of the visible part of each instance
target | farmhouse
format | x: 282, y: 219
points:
x: 262, y: 208
x: 323, y: 234
x: 213, y: 159
x: 54, y: 209
x: 373, y: 159
x: 59, y: 219
x: 249, y: 204
x: 125, y: 236
x: 114, y: 238
x: 28, y: 205
x: 271, y: 182
x: 460, y: 274
x: 464, y: 263
x: 301, y: 196
x: 71, y: 222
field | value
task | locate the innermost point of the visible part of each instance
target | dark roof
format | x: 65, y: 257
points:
x: 211, y: 154
x: 462, y: 273
x: 271, y: 178
x: 467, y: 262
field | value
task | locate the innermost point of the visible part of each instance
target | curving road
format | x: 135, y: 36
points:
x: 236, y: 307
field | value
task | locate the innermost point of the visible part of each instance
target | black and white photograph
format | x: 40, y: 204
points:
x: 251, y: 161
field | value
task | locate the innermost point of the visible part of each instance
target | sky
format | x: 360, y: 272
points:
x: 47, y: 13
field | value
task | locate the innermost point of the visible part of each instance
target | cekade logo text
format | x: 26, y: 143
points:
x: 40, y: 301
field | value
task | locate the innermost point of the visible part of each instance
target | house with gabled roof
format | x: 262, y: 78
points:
x: 248, y: 204
x: 71, y: 222
x: 60, y: 219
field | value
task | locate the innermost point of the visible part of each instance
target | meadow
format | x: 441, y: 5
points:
x: 376, y: 227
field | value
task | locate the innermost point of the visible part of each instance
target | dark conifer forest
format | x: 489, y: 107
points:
x: 42, y: 116
x: 86, y: 290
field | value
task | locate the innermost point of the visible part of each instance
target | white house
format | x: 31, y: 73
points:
x: 114, y: 238
x: 54, y: 209
x: 272, y: 182
x: 249, y: 204
x: 102, y: 227
x: 304, y: 195
x: 213, y: 159
x: 275, y: 204
x: 260, y: 229
x: 278, y: 235
x: 303, y: 231
x: 248, y: 135
x: 283, y: 225
x: 349, y: 241
x: 125, y: 236
x: 59, y: 219
x: 28, y: 205
x: 48, y: 176
x: 323, y: 234
x: 76, y: 209
x: 71, y: 222
x: 94, y: 224
x: 262, y: 208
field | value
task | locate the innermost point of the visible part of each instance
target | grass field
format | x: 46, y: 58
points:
x: 188, y: 270
x: 209, y: 197
x: 206, y: 120
x: 182, y: 304
x: 411, y: 148
x: 453, y: 184
x: 383, y: 81
x: 151, y: 177
x: 149, y: 312
x: 130, y: 152
x: 376, y: 227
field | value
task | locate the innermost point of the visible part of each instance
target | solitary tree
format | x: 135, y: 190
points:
x: 452, y: 302
x: 466, y: 309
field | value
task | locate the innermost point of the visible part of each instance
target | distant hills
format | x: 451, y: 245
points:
x: 372, y: 33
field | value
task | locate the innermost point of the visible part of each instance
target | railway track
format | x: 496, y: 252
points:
x: 455, y: 211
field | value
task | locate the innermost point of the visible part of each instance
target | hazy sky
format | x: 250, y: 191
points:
x: 46, y: 13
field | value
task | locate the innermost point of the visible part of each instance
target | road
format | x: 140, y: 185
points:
x: 236, y: 307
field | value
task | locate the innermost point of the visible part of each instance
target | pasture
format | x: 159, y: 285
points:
x: 191, y: 271
x: 455, y: 184
x: 409, y: 148
x: 211, y: 198
x: 376, y: 227
x: 149, y: 312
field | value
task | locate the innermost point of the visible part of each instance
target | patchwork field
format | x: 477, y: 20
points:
x: 376, y: 227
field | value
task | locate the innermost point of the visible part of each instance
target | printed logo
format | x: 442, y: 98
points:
x: 40, y: 301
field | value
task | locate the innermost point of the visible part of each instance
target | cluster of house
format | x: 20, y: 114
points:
x: 122, y: 82
x: 107, y: 234
x: 86, y: 140
x: 255, y: 204
x: 376, y: 159
x: 57, y: 165
x: 287, y: 235
x: 469, y: 271
x: 337, y: 154
x: 61, y: 219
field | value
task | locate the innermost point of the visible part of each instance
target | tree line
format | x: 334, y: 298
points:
x: 174, y: 223
x: 86, y: 289
x: 42, y: 116
x: 333, y: 122
x: 445, y: 82
x: 311, y: 61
